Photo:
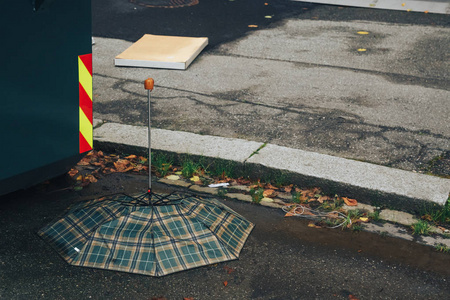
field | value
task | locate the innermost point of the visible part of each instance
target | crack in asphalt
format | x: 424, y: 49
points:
x: 428, y: 82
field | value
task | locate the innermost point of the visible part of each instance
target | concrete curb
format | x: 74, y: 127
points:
x: 370, y: 183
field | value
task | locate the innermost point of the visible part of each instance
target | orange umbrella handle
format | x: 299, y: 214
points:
x: 149, y: 83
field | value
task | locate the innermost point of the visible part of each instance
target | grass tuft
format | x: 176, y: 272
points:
x: 421, y: 228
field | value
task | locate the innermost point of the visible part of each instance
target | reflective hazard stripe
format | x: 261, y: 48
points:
x: 85, y: 102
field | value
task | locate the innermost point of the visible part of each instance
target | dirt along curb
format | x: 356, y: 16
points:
x: 375, y: 186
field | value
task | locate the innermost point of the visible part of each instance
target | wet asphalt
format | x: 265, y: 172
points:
x: 282, y: 259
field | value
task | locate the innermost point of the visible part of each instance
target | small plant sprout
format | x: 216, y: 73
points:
x: 442, y: 248
x: 189, y: 168
x: 421, y: 228
x: 375, y: 216
x: 221, y: 192
x: 257, y: 195
x: 162, y: 164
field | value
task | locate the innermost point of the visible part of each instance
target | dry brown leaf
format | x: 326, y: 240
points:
x: 350, y: 202
x: 443, y: 229
x: 91, y: 178
x: 132, y: 156
x: 84, y: 162
x: 229, y: 269
x: 323, y: 198
x: 269, y: 186
x: 269, y: 193
x: 225, y: 283
x: 288, y: 189
x: 73, y: 172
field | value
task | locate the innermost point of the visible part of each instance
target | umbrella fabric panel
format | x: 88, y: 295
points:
x: 69, y: 234
x: 230, y: 228
x: 182, y: 242
x: 124, y: 244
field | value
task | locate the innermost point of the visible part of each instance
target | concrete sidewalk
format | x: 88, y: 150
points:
x: 367, y: 182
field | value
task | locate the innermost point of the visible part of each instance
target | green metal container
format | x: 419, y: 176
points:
x: 45, y: 89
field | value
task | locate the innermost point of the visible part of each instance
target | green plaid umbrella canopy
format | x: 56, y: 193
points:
x: 121, y: 233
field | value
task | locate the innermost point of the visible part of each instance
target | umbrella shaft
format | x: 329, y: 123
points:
x: 149, y: 147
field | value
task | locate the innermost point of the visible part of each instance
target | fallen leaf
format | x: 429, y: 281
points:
x: 288, y: 189
x: 362, y: 50
x: 178, y: 173
x: 229, y: 269
x: 188, y: 298
x: 323, y: 198
x: 269, y: 193
x: 268, y: 17
x: 173, y: 177
x: 84, y: 162
x: 362, y: 32
x: 91, y: 178
x: 122, y: 165
x: 131, y: 156
x: 253, y: 26
x: 364, y: 219
x: 351, y: 297
x: 443, y: 229
x: 312, y: 225
x: 195, y: 178
x: 73, y: 172
x: 225, y: 283
x: 426, y: 11
x: 350, y: 202
x: 270, y: 186
x: 266, y: 199
x: 80, y: 178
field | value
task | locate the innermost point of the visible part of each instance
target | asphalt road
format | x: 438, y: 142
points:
x: 297, y: 80
x: 282, y: 259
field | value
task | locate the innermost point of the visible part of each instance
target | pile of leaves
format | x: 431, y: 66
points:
x: 96, y: 164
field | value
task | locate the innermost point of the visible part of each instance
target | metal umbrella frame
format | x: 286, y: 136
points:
x: 151, y: 234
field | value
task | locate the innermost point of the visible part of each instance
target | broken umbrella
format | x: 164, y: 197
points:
x: 151, y: 234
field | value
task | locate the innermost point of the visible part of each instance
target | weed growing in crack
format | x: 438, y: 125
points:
x: 221, y: 192
x: 162, y: 164
x: 257, y: 195
x: 442, y: 248
x: 357, y: 228
x: 375, y: 216
x: 189, y: 168
x: 421, y: 228
x: 439, y: 215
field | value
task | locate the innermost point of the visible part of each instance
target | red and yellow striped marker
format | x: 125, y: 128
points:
x: 85, y: 103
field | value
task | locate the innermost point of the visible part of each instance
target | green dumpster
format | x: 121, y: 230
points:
x: 46, y: 89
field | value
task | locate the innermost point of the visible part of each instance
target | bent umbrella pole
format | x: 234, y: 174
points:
x: 149, y: 83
